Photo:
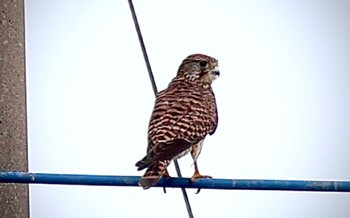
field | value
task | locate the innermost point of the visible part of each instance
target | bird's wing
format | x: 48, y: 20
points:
x: 169, y: 129
x: 181, y: 118
x: 177, y: 122
x: 215, y: 124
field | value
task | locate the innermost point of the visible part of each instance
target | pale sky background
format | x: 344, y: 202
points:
x: 283, y: 98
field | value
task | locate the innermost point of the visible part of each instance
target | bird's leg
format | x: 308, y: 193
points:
x: 197, y: 175
x: 166, y: 176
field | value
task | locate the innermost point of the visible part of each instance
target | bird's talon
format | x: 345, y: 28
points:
x: 166, y: 175
x: 198, y: 176
x: 198, y: 190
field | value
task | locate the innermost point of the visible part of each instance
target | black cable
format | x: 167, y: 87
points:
x: 154, y: 86
x: 143, y: 47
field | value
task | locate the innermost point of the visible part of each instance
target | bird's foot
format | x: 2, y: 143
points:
x: 196, y: 176
x: 166, y: 175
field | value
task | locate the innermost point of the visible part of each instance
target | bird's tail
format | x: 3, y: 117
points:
x: 153, y: 174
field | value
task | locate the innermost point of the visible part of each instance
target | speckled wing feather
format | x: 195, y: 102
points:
x: 179, y: 120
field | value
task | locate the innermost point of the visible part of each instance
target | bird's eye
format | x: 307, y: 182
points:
x: 203, y: 63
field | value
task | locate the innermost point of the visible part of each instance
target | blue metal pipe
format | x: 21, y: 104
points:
x: 239, y: 184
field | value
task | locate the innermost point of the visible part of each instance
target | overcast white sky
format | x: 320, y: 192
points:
x: 283, y: 99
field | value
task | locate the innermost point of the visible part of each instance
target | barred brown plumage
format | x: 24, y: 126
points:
x: 184, y: 114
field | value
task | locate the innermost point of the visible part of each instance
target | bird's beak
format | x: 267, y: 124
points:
x: 216, y: 71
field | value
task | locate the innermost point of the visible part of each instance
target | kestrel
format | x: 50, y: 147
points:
x: 184, y: 114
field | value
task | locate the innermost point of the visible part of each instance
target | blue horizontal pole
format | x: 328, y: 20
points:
x: 239, y: 184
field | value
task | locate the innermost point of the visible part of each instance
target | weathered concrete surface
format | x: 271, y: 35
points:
x: 14, y: 198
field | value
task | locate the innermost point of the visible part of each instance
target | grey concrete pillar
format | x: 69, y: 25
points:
x: 14, y: 198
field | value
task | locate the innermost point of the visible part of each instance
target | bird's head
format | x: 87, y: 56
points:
x: 200, y: 68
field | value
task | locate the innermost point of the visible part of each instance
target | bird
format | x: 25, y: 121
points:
x: 183, y: 115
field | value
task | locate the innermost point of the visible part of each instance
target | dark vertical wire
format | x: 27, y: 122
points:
x: 154, y: 86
